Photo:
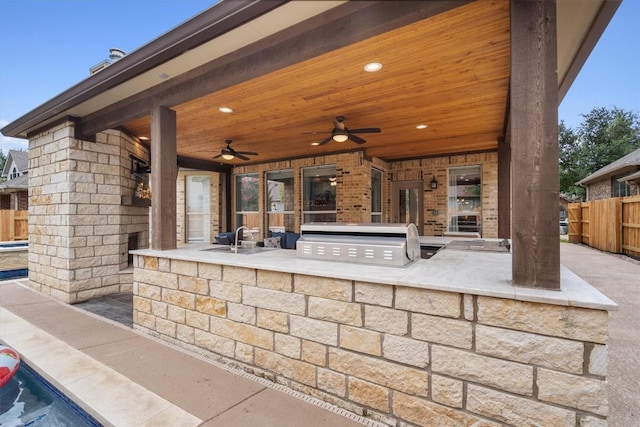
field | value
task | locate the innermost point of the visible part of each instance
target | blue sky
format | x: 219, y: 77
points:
x: 47, y: 46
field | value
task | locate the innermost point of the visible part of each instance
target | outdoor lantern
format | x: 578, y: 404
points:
x: 434, y: 183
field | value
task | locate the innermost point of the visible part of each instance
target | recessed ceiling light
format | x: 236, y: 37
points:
x: 421, y: 127
x: 225, y: 110
x: 163, y: 76
x: 143, y: 138
x: 372, y: 67
x: 315, y: 143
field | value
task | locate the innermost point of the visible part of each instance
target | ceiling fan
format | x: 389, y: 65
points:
x: 229, y: 153
x: 341, y: 133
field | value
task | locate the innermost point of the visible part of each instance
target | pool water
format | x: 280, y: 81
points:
x: 29, y: 400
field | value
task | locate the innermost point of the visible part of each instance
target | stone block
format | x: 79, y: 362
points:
x: 425, y: 413
x: 197, y: 320
x: 428, y: 301
x: 241, y: 313
x: 273, y: 320
x: 580, y: 324
x: 314, y: 330
x: 456, y: 333
x: 586, y: 394
x: 598, y: 360
x: 210, y: 271
x: 194, y: 285
x: 469, y: 309
x: 211, y: 306
x: 149, y: 291
x: 446, y: 391
x: 501, y: 374
x: 275, y: 280
x: 374, y: 293
x: 532, y: 349
x: 186, y: 268
x: 179, y: 298
x: 386, y: 320
x: 588, y: 421
x: 247, y: 334
x: 158, y: 278
x: 288, y: 345
x: 296, y: 370
x: 225, y: 291
x: 514, y: 410
x: 244, y: 353
x: 368, y: 394
x: 332, y: 382
x: 380, y: 372
x: 335, y: 311
x: 166, y: 327
x: 142, y: 304
x: 159, y: 309
x: 176, y: 314
x: 406, y: 350
x: 220, y: 345
x: 323, y: 287
x: 360, y: 340
x: 274, y: 300
x: 239, y: 275
x: 314, y: 352
x: 185, y: 334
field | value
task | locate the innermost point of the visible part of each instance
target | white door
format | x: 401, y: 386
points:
x: 198, y: 193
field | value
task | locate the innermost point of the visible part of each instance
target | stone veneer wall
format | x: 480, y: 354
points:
x: 214, y: 204
x: 600, y: 190
x: 78, y: 225
x: 435, y: 201
x: 401, y: 355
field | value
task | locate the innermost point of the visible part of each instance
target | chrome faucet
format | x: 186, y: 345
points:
x: 235, y: 248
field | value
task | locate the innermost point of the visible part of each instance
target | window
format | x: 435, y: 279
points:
x: 279, y: 201
x: 14, y: 173
x: 319, y: 194
x: 376, y: 195
x: 621, y: 189
x: 247, y: 196
x: 464, y: 199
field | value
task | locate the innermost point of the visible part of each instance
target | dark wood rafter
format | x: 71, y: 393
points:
x: 534, y: 144
x: 345, y: 25
x: 504, y: 188
x: 164, y: 171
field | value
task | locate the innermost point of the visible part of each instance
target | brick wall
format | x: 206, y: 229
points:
x: 396, y: 354
x: 78, y: 226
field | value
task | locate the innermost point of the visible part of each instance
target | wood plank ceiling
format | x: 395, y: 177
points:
x: 450, y: 72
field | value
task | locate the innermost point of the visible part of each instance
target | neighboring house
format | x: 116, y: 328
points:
x: 618, y: 179
x: 14, y: 192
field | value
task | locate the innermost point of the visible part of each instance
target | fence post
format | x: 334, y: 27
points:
x: 575, y: 222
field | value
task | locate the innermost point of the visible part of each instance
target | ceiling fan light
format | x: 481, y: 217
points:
x: 340, y: 136
x: 228, y: 156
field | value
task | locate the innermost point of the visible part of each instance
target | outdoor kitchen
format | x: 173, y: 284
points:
x: 423, y: 338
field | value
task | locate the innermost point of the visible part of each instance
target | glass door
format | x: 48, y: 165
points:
x: 198, y: 193
x: 407, y: 203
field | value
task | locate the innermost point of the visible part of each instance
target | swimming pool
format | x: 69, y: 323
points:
x: 29, y: 400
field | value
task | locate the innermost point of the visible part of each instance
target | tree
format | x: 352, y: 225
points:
x: 3, y: 159
x: 604, y: 136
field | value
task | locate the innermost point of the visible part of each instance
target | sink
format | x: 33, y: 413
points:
x: 241, y: 250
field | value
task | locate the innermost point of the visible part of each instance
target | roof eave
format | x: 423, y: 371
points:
x: 216, y: 20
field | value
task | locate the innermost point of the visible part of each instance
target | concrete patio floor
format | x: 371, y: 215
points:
x: 170, y: 382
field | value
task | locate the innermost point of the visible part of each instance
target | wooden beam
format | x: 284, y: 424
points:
x: 534, y: 144
x: 164, y: 172
x: 504, y: 188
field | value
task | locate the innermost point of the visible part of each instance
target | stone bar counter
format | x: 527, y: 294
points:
x: 443, y: 341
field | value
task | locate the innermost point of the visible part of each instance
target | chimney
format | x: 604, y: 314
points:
x: 115, y: 54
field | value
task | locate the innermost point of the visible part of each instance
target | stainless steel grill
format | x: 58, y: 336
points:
x: 382, y: 244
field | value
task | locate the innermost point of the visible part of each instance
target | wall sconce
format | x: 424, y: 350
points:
x: 434, y: 183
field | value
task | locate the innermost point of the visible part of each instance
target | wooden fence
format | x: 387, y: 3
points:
x: 611, y: 225
x: 13, y: 225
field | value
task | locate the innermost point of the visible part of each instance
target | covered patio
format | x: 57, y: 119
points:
x: 466, y: 89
